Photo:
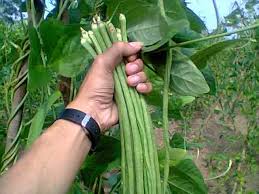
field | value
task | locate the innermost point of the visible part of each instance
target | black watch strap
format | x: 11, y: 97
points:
x: 86, y: 121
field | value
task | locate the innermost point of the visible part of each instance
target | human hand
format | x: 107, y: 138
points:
x: 96, y: 93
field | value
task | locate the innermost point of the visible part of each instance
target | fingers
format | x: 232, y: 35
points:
x: 132, y: 58
x: 139, y: 81
x: 114, y: 55
x: 134, y: 67
x: 137, y: 77
x: 144, y: 88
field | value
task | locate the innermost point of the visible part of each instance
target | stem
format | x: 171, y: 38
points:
x: 17, y: 108
x: 162, y: 7
x: 100, y: 185
x: 33, y: 13
x: 210, y: 37
x: 62, y: 9
x: 216, y: 12
x: 165, y: 116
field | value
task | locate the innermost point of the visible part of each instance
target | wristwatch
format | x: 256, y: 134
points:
x: 86, y: 122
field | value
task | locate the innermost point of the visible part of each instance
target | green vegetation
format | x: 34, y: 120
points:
x: 205, y: 93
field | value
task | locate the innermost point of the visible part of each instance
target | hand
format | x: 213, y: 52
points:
x: 96, y: 93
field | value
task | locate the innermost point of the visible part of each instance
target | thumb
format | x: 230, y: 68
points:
x: 114, y: 55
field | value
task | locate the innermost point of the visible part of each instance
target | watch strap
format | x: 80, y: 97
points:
x: 84, y: 120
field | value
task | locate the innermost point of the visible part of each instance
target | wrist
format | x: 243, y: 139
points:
x: 86, y: 108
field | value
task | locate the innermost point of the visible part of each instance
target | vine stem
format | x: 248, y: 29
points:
x: 63, y: 7
x: 216, y: 12
x: 33, y: 13
x: 210, y: 37
x: 165, y: 116
x: 162, y: 7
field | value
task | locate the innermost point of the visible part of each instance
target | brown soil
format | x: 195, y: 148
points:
x: 215, y: 135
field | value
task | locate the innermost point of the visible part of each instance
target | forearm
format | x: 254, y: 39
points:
x: 51, y: 164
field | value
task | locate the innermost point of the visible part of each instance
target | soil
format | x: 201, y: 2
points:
x: 221, y: 140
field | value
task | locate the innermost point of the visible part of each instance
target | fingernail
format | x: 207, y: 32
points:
x: 137, y: 45
x: 134, y: 79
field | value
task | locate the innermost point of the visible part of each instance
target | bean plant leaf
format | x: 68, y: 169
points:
x: 200, y: 58
x: 178, y: 141
x: 196, y: 22
x: 143, y: 19
x: 186, y: 178
x: 210, y: 79
x: 64, y: 51
x: 186, y: 34
x: 145, y: 22
x: 107, y: 152
x: 39, y: 118
x: 186, y: 79
x: 176, y: 155
x: 174, y: 22
x: 168, y: 31
x: 39, y: 75
x: 154, y: 98
x: 174, y: 10
x: 69, y: 57
x: 56, y: 29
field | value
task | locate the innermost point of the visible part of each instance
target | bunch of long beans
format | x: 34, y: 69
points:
x: 139, y: 160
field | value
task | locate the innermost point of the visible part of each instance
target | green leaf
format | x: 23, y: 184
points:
x: 144, y: 21
x: 210, y: 79
x: 78, y: 188
x: 105, y: 156
x: 176, y: 21
x: 174, y: 9
x: 196, y: 22
x: 69, y: 57
x: 56, y: 29
x: 186, y: 178
x: 186, y: 34
x: 200, y: 58
x: 39, y: 118
x: 154, y: 98
x: 168, y: 30
x: 186, y: 99
x: 178, y: 141
x: 36, y: 125
x: 186, y: 79
x: 176, y: 155
x: 64, y: 51
x: 36, y: 68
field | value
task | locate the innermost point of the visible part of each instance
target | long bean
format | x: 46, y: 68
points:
x: 129, y: 125
x: 150, y: 178
x: 139, y: 160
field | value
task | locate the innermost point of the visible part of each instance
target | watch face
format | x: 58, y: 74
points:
x: 85, y: 120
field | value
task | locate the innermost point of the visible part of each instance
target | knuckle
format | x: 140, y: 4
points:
x: 119, y: 45
x: 99, y: 59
